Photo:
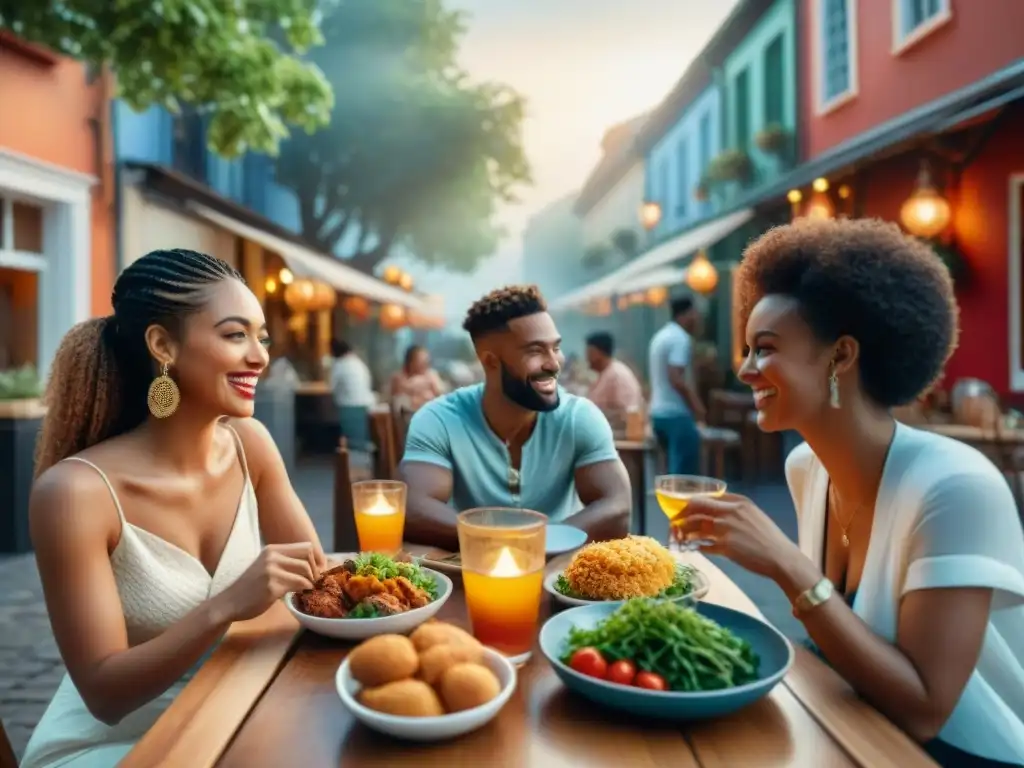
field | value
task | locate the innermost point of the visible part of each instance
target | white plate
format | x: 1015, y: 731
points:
x: 559, y: 540
x: 361, y: 629
x: 430, y: 728
x: 700, y: 589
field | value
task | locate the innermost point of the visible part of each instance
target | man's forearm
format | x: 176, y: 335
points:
x: 692, y: 399
x: 431, y: 522
x: 604, y: 519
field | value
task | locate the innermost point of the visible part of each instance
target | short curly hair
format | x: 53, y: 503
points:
x: 494, y: 311
x: 867, y: 279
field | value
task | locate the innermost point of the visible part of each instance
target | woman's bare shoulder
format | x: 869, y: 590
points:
x: 72, y: 499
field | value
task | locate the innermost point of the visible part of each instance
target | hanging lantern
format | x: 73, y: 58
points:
x: 392, y: 275
x: 405, y: 281
x: 926, y: 213
x: 270, y: 286
x: 285, y: 276
x: 820, y: 206
x: 304, y: 295
x: 357, y: 308
x: 701, y: 275
x: 657, y: 296
x: 650, y: 215
x: 392, y: 317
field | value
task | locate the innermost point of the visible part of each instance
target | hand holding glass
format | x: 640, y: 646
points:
x: 674, y: 493
x: 380, y: 515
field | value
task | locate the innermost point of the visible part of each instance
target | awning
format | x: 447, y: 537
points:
x: 938, y: 116
x: 680, y: 246
x: 305, y: 262
x: 663, y: 276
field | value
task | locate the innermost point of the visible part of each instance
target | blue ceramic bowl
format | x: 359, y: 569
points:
x: 771, y: 645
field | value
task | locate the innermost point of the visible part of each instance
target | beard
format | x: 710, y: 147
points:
x: 522, y: 393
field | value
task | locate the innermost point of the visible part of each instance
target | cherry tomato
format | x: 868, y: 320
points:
x: 590, y: 662
x: 622, y: 672
x: 651, y: 681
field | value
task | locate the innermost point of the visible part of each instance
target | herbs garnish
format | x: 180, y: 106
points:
x: 384, y: 568
x: 692, y: 652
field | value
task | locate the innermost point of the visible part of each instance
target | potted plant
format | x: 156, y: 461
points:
x: 21, y: 416
x: 703, y: 190
x: 772, y: 139
x: 731, y: 165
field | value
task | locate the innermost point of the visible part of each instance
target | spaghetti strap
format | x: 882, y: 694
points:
x: 241, y: 451
x: 106, y: 481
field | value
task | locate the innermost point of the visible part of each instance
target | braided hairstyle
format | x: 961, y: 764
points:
x: 102, y: 370
x: 495, y: 310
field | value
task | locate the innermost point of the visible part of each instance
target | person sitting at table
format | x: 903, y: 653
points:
x: 154, y: 488
x: 909, y: 572
x: 617, y: 389
x: 352, y: 390
x: 416, y: 383
x: 516, y: 440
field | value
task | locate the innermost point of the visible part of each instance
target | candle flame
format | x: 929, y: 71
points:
x: 380, y: 506
x: 506, y: 566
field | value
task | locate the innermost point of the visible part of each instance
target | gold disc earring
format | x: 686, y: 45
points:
x: 164, y: 395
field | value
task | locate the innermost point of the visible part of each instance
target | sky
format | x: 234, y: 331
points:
x: 582, y: 66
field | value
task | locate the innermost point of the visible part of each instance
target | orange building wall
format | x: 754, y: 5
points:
x: 981, y: 223
x: 982, y: 37
x: 53, y: 114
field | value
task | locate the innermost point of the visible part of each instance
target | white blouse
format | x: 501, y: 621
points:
x: 944, y: 517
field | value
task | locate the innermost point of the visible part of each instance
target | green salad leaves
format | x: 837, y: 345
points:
x: 692, y: 652
x: 682, y: 585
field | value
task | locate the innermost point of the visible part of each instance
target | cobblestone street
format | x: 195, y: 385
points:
x: 30, y: 666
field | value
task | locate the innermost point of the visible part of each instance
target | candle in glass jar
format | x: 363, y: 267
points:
x: 380, y: 520
x: 504, y: 603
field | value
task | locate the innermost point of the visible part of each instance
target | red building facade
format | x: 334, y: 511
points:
x: 870, y: 64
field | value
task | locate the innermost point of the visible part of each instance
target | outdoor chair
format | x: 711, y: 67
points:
x: 7, y: 759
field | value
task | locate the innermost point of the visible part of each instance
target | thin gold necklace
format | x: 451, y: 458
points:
x: 833, y: 499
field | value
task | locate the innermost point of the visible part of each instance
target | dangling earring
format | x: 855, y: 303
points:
x: 833, y: 387
x: 164, y: 395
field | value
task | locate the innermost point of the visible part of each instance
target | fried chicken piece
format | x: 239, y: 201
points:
x: 358, y: 588
x: 386, y: 605
x: 321, y: 604
x: 408, y: 592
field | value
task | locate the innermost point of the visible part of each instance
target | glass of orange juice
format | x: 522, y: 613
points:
x: 380, y: 514
x: 674, y: 492
x: 503, y: 560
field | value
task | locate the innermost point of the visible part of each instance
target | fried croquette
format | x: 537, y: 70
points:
x: 325, y: 605
x: 636, y: 566
x: 466, y: 685
x: 383, y: 659
x: 406, y: 698
x: 439, y: 633
x: 437, y: 659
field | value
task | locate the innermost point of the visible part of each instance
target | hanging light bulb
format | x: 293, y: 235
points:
x: 926, y: 213
x: 650, y: 215
x: 701, y: 275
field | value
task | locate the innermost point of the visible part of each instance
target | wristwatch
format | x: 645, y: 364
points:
x: 813, y: 597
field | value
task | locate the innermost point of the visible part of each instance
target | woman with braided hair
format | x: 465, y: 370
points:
x: 154, y: 490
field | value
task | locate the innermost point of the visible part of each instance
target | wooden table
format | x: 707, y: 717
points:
x: 267, y: 698
x: 634, y: 455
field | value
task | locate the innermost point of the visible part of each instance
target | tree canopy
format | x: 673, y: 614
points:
x: 415, y: 153
x: 238, y: 62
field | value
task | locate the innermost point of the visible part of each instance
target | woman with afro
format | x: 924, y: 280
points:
x: 909, y: 572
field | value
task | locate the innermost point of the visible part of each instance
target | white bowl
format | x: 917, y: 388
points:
x: 430, y: 728
x: 361, y: 629
x: 701, y: 587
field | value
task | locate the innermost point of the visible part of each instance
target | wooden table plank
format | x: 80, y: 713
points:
x: 869, y: 737
x: 201, y: 721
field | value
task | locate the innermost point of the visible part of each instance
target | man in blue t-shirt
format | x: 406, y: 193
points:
x: 676, y: 408
x: 518, y: 439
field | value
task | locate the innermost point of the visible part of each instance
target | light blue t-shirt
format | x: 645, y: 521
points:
x: 670, y: 347
x: 451, y: 432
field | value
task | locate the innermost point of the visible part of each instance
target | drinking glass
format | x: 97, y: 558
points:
x: 380, y: 514
x: 503, y: 573
x: 674, y: 493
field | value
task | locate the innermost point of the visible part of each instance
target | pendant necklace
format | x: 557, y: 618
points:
x: 833, y: 498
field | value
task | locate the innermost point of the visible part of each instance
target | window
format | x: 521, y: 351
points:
x: 1016, y: 281
x: 21, y: 227
x: 774, y: 95
x: 704, y: 138
x: 664, y: 187
x: 741, y: 107
x: 836, y: 49
x: 683, y: 173
x: 913, y: 20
